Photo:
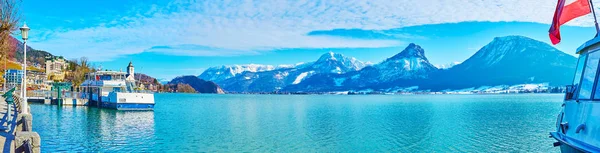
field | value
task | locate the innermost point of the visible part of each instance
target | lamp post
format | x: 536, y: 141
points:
x: 24, y: 33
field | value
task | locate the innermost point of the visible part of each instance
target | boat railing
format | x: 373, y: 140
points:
x: 570, y: 92
x: 46, y: 94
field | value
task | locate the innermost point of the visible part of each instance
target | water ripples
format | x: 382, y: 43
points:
x: 309, y: 123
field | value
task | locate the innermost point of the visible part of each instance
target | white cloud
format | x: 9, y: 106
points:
x: 249, y: 27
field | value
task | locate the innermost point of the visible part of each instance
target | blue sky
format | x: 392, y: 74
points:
x: 166, y: 39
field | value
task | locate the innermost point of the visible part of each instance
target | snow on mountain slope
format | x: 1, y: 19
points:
x: 218, y: 74
x: 447, y: 66
x: 301, y: 77
x: 337, y: 63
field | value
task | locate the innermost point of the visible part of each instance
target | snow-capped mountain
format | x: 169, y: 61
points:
x: 337, y: 63
x: 218, y: 74
x: 279, y: 78
x: 509, y: 60
x: 403, y: 68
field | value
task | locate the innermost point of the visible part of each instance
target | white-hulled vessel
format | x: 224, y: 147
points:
x: 578, y: 123
x: 116, y: 90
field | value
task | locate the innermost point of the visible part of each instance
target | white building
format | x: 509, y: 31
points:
x: 55, y: 67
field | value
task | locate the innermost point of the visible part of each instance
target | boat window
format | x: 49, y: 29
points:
x: 589, y: 75
x: 105, y: 77
x: 579, y: 70
x: 574, y: 88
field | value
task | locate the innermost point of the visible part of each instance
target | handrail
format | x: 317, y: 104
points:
x: 15, y: 101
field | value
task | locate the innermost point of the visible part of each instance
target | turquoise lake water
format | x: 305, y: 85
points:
x: 307, y: 123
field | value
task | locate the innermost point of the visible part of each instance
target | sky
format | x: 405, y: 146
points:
x: 166, y: 39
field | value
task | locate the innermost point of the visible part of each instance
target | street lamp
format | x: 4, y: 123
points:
x: 24, y: 34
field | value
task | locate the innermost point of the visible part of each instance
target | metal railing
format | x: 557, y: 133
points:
x: 53, y: 94
x: 68, y: 94
x: 14, y: 100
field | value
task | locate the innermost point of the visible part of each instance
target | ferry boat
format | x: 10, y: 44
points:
x: 116, y: 90
x: 578, y: 123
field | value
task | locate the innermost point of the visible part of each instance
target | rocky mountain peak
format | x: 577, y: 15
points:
x: 412, y: 50
x: 330, y: 56
x: 337, y: 63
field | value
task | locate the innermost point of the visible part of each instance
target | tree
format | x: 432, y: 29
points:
x: 84, y: 62
x: 9, y: 18
x: 79, y: 70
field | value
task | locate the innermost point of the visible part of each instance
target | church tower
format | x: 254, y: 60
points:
x: 130, y: 72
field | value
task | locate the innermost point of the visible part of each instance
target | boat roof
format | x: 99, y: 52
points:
x: 588, y: 44
x: 108, y: 72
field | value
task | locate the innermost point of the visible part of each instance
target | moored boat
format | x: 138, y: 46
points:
x: 116, y: 90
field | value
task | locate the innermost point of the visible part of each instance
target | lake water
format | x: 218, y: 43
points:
x: 307, y: 123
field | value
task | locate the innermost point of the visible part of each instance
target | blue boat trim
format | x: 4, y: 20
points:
x: 573, y: 143
x: 587, y: 44
x: 128, y: 106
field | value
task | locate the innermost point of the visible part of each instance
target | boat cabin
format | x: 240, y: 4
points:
x: 106, y: 76
x: 584, y: 86
x: 106, y: 81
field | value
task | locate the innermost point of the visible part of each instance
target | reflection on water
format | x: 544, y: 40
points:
x: 92, y: 129
x: 307, y: 123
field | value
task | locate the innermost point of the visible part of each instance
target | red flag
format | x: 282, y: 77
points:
x: 564, y: 14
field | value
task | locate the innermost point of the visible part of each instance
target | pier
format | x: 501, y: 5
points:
x: 16, y: 134
x: 62, y: 98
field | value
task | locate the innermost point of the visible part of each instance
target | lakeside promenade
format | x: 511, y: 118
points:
x: 16, y: 133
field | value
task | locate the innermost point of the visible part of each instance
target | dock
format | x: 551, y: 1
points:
x: 16, y: 133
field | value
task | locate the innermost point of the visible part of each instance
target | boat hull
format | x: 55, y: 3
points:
x: 128, y: 106
x: 577, y: 126
x: 570, y: 146
x: 124, y: 101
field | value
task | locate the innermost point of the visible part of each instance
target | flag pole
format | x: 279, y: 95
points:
x: 595, y: 20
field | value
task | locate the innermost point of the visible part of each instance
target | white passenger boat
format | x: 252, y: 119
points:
x: 116, y: 90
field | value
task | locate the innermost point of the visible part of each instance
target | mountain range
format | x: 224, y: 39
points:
x: 261, y: 80
x: 506, y: 60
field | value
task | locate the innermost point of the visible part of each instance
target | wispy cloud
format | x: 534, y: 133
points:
x: 225, y: 28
